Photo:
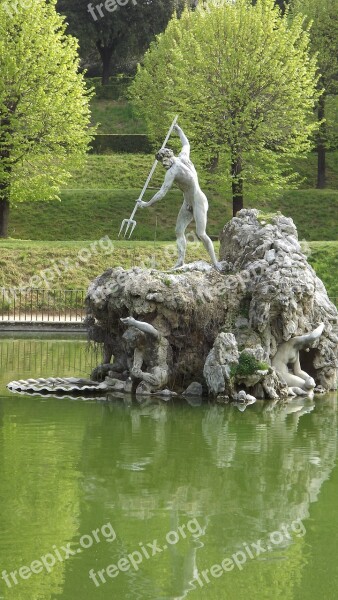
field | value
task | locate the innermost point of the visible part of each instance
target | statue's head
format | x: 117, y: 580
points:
x: 134, y: 338
x: 166, y: 157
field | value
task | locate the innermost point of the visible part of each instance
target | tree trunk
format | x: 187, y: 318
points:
x: 321, y: 149
x: 237, y: 185
x: 106, y: 54
x: 5, y: 154
x: 4, y: 214
x: 213, y: 164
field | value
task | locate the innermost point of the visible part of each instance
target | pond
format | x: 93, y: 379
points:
x: 161, y: 500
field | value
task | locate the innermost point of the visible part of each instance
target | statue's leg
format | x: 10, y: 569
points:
x: 309, y: 381
x: 293, y: 381
x: 200, y: 215
x: 185, y: 217
x: 156, y: 378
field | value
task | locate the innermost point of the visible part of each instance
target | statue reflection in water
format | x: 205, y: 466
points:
x: 242, y: 476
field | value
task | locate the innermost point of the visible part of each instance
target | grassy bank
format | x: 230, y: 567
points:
x: 121, y: 171
x: 115, y: 116
x: 72, y: 265
x: 91, y: 214
x: 104, y: 192
x: 324, y: 259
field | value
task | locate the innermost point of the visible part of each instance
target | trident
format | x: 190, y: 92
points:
x: 130, y: 222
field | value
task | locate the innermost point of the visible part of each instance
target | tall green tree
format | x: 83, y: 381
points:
x: 242, y: 80
x: 281, y: 3
x: 323, y: 14
x: 114, y: 30
x: 44, y: 105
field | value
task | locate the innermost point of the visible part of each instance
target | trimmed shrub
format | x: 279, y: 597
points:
x: 130, y: 143
x: 116, y: 90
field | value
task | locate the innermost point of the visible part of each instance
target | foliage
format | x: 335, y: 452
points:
x: 282, y: 4
x: 323, y: 15
x: 247, y: 365
x: 44, y: 103
x: 120, y: 34
x: 242, y: 81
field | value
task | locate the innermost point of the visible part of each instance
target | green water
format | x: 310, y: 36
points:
x: 206, y: 482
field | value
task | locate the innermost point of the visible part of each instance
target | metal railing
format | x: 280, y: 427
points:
x: 41, y: 305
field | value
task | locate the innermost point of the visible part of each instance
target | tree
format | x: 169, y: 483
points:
x: 118, y: 30
x: 44, y: 105
x: 281, y: 3
x: 324, y: 41
x: 242, y: 80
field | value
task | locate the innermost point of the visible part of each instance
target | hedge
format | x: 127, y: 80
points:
x: 114, y: 91
x: 104, y: 143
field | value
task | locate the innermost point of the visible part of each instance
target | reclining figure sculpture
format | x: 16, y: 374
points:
x: 287, y: 359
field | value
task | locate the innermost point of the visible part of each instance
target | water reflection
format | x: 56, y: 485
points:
x: 242, y: 478
x: 69, y: 467
x: 30, y: 357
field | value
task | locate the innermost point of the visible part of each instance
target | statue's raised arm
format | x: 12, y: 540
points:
x: 141, y: 325
x: 184, y: 141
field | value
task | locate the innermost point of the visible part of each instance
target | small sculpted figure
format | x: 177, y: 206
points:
x: 181, y: 171
x: 151, y: 349
x: 287, y: 359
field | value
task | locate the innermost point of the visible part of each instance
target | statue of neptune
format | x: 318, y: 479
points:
x: 180, y: 170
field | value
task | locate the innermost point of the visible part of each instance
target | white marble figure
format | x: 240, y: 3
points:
x: 180, y: 170
x: 287, y: 357
x: 153, y: 353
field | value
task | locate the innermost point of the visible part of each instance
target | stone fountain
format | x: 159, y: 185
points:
x: 223, y: 333
x: 257, y: 324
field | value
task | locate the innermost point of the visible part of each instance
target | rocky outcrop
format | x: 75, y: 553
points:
x: 284, y: 297
x: 223, y: 328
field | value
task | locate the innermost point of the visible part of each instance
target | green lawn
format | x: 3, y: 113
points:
x: 115, y: 116
x: 115, y: 171
x: 131, y: 170
x: 72, y: 265
x: 324, y: 259
x: 79, y: 262
x: 90, y: 214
